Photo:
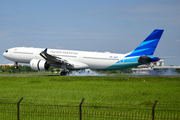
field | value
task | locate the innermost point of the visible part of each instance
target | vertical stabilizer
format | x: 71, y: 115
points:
x: 148, y: 46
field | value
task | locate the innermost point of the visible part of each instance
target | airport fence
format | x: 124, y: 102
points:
x: 84, y: 111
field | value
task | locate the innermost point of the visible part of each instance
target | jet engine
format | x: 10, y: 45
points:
x: 36, y: 64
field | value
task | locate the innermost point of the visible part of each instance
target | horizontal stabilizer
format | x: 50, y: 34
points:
x: 166, y: 57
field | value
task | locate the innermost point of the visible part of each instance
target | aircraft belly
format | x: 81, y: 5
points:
x: 99, y: 64
x: 121, y: 66
x: 23, y: 58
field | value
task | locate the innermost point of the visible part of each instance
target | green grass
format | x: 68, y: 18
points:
x: 96, y: 90
x: 106, y: 97
x: 42, y: 73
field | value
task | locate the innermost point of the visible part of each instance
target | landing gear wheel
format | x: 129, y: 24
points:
x: 16, y: 65
x: 64, y: 73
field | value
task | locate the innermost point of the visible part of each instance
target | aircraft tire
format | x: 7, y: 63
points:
x: 16, y: 67
x: 63, y: 73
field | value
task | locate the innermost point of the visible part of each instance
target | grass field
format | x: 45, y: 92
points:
x: 105, y: 97
x: 95, y: 90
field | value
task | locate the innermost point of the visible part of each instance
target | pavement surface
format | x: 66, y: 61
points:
x: 94, y: 75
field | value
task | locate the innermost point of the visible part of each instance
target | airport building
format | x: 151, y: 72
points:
x: 156, y: 68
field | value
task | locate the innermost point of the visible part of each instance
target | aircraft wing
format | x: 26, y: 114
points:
x: 54, y: 59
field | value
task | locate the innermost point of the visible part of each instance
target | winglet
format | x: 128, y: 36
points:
x: 43, y: 53
x: 45, y: 50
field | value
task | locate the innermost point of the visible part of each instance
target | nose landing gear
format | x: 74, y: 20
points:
x: 16, y: 65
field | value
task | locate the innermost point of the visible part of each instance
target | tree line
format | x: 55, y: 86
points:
x: 27, y: 69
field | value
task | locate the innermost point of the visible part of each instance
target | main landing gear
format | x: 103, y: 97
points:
x: 64, y: 73
x: 16, y: 65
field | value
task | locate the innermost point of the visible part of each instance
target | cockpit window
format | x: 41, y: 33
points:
x: 6, y: 50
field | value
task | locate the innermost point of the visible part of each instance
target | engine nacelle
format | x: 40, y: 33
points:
x: 36, y: 64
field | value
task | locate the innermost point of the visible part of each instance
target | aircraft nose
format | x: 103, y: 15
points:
x: 4, y: 54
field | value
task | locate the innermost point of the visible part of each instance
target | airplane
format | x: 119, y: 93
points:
x: 43, y: 58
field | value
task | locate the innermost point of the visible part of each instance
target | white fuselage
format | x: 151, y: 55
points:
x: 94, y: 60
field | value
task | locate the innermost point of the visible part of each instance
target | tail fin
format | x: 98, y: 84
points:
x: 148, y: 46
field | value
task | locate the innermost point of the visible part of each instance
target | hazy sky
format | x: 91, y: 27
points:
x: 117, y: 26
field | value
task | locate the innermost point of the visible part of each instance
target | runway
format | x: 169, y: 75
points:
x: 90, y: 75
